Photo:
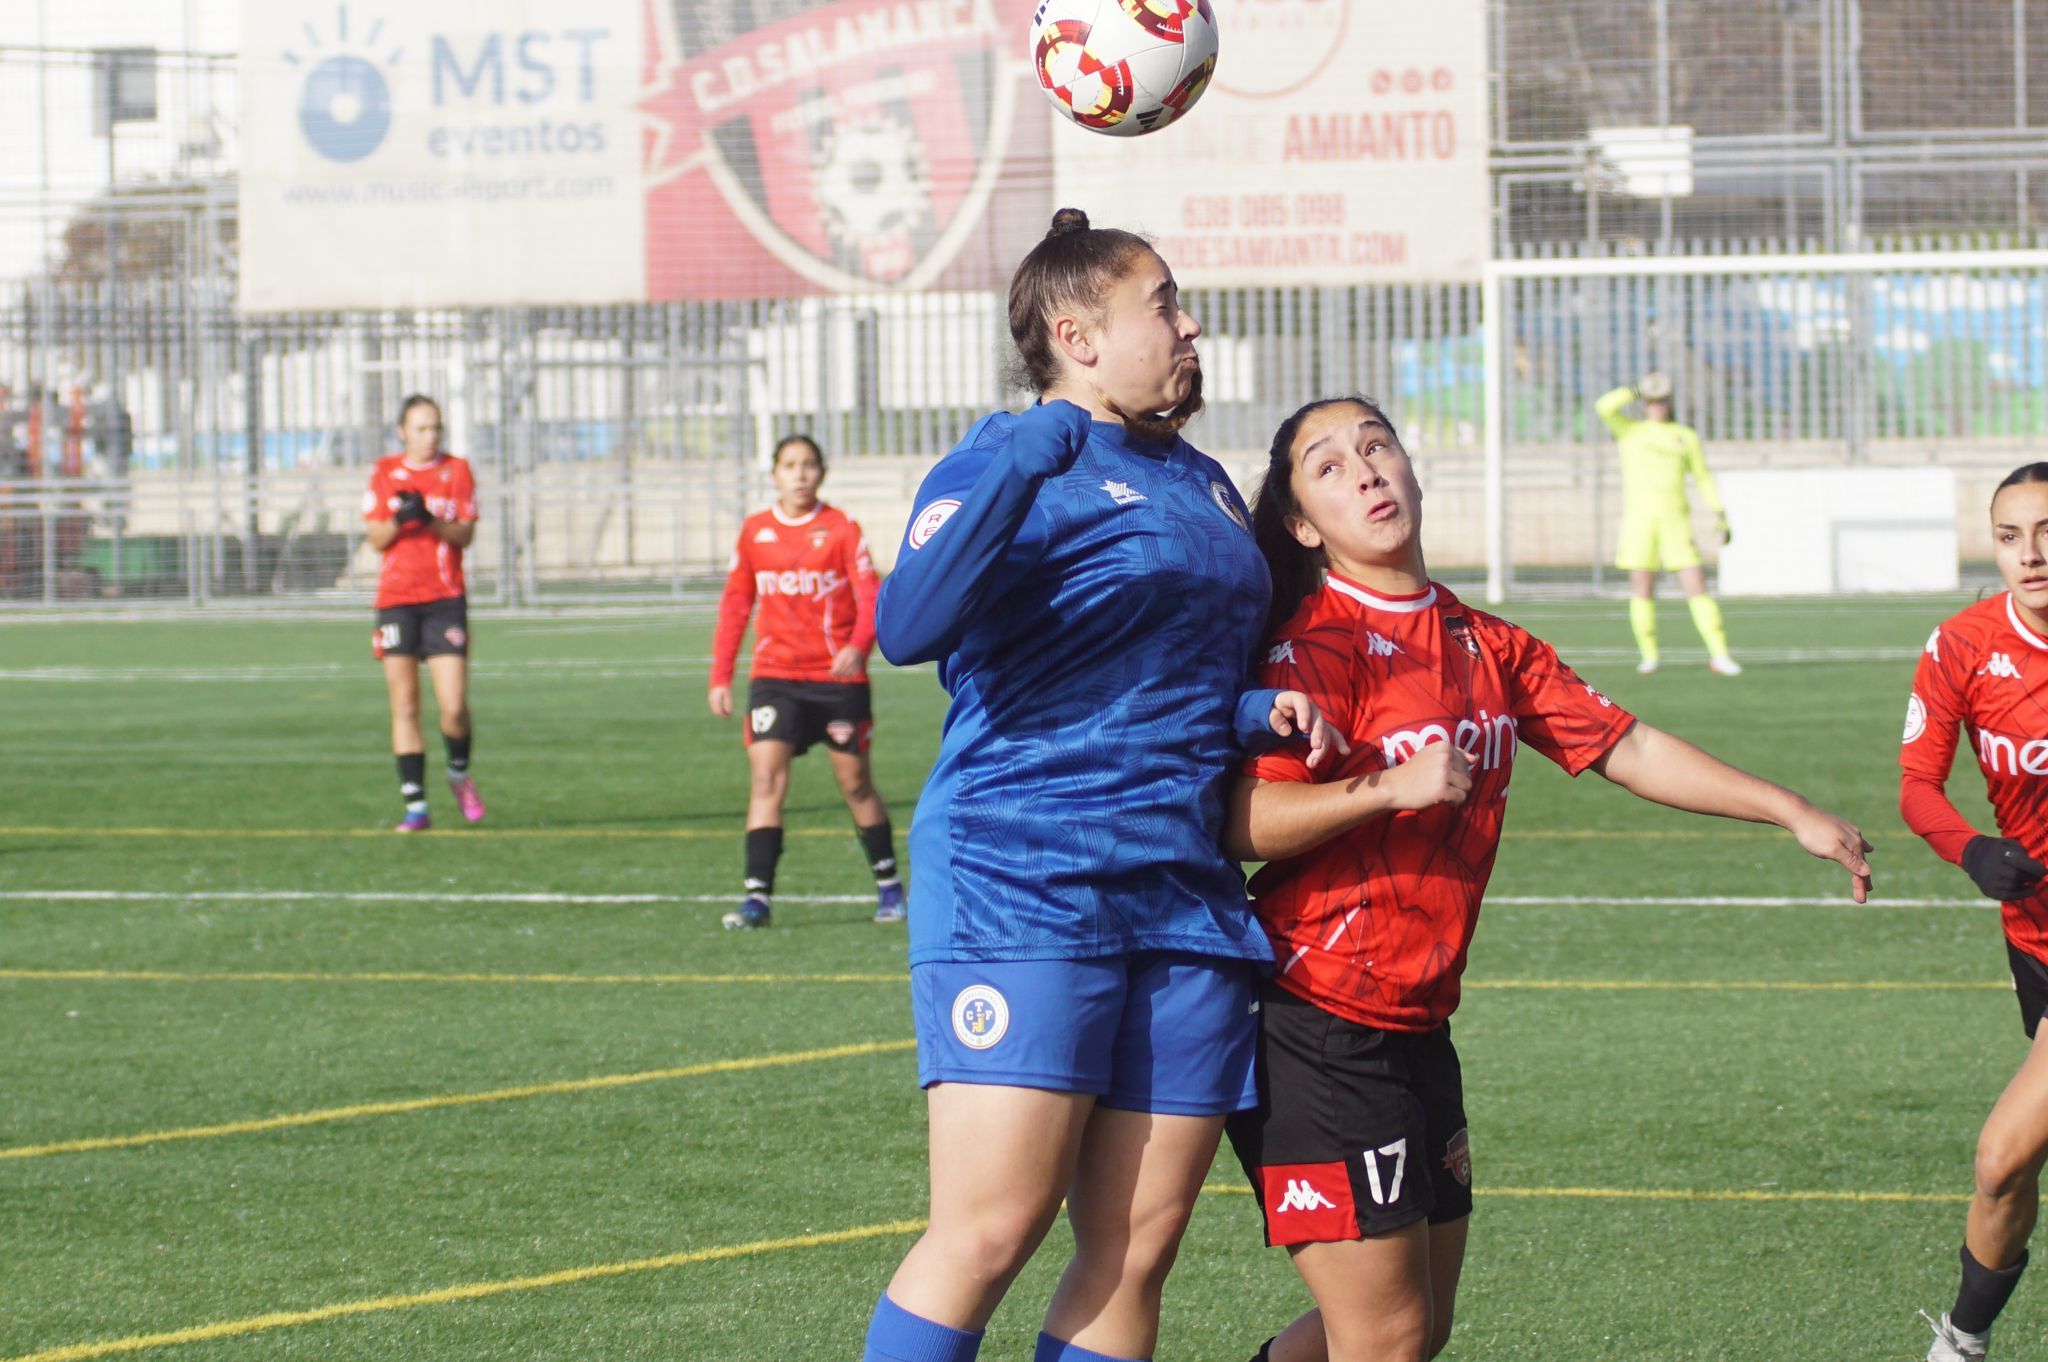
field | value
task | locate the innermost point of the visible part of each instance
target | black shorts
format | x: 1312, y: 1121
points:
x: 2030, y: 981
x: 1358, y: 1131
x: 432, y: 629
x: 801, y: 713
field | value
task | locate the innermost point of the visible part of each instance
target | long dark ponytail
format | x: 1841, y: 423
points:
x: 1297, y: 569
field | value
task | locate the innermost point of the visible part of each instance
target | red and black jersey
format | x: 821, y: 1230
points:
x: 1984, y: 671
x: 1374, y: 924
x: 420, y: 565
x: 816, y: 586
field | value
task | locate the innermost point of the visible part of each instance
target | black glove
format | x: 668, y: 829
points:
x: 2002, y: 868
x: 411, y: 508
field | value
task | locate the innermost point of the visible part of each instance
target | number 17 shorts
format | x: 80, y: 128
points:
x: 1358, y: 1131
x: 1156, y: 1031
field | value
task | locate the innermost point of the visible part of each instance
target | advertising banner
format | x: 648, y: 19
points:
x: 443, y: 153
x: 1341, y: 141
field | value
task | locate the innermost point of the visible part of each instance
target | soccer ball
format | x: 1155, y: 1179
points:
x: 1123, y: 67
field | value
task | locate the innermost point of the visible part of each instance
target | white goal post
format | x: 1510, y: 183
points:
x: 1781, y: 360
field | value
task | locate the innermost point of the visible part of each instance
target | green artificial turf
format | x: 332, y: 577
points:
x: 206, y: 926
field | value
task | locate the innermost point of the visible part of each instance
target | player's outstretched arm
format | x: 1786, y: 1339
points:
x: 943, y: 581
x: 1271, y: 820
x: 1654, y: 765
x: 1609, y: 407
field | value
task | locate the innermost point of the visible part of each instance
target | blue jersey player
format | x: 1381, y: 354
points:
x: 1083, y: 963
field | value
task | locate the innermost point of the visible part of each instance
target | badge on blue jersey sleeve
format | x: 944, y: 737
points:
x: 1221, y: 495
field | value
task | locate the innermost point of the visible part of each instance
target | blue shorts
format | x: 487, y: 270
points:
x: 1159, y: 1031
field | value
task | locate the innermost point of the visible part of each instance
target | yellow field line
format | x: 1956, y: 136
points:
x: 225, y: 834
x: 83, y: 1352
x: 350, y: 1113
x: 155, y: 976
x: 1759, y: 1194
x: 1739, y: 986
x: 1715, y: 832
x: 285, y: 1319
x: 152, y: 976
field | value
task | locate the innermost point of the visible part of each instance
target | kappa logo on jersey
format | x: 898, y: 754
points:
x: 1301, y: 1196
x: 2002, y: 755
x: 1307, y: 1203
x: 1122, y: 493
x: 1283, y: 651
x: 798, y: 582
x: 1379, y: 645
x: 765, y: 535
x: 981, y: 1017
x: 929, y: 520
x: 1458, y: 1157
x: 1934, y: 645
x: 1490, y: 740
x: 1916, y: 718
x: 2000, y: 665
x: 763, y: 718
x: 1221, y: 496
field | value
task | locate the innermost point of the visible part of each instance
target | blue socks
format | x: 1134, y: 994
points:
x: 896, y: 1335
x: 1051, y: 1349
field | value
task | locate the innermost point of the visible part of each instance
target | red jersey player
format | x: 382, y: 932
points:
x: 420, y: 511
x: 1986, y: 670
x: 808, y: 566
x: 1377, y: 864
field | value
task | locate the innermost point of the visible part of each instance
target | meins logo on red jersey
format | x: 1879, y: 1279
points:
x: 1489, y: 740
x: 2001, y: 755
x: 798, y: 582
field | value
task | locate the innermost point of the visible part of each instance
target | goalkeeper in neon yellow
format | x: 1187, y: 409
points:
x: 1657, y: 454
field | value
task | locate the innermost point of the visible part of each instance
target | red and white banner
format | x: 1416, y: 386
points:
x: 450, y: 153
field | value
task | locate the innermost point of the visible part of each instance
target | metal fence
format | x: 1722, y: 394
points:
x: 619, y: 447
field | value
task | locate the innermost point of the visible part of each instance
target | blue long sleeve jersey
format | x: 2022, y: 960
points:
x: 1096, y: 630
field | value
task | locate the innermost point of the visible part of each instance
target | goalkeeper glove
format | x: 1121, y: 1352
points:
x: 1721, y: 525
x: 411, y: 508
x: 2002, y: 868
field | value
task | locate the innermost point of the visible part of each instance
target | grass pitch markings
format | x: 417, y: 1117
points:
x: 385, y: 833
x: 1735, y: 833
x: 630, y: 900
x: 327, y: 1115
x: 150, y: 976
x: 1755, y: 1195
x: 397, y: 896
x: 235, y: 1328
x: 471, y: 1291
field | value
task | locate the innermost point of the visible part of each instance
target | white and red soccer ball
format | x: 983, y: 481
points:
x: 1123, y: 67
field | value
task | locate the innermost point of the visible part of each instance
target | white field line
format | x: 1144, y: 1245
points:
x: 627, y: 900
x: 366, y: 671
x: 402, y: 896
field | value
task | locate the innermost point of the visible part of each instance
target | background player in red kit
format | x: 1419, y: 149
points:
x: 809, y: 567
x: 421, y: 514
x: 1986, y: 669
x: 1376, y: 866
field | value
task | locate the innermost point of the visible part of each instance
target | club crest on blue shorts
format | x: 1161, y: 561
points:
x: 980, y: 1016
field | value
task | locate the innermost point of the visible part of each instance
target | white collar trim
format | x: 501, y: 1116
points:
x: 1400, y: 607
x: 2012, y: 616
x: 775, y: 509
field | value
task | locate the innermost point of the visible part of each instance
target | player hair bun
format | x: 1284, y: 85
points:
x: 1066, y: 221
